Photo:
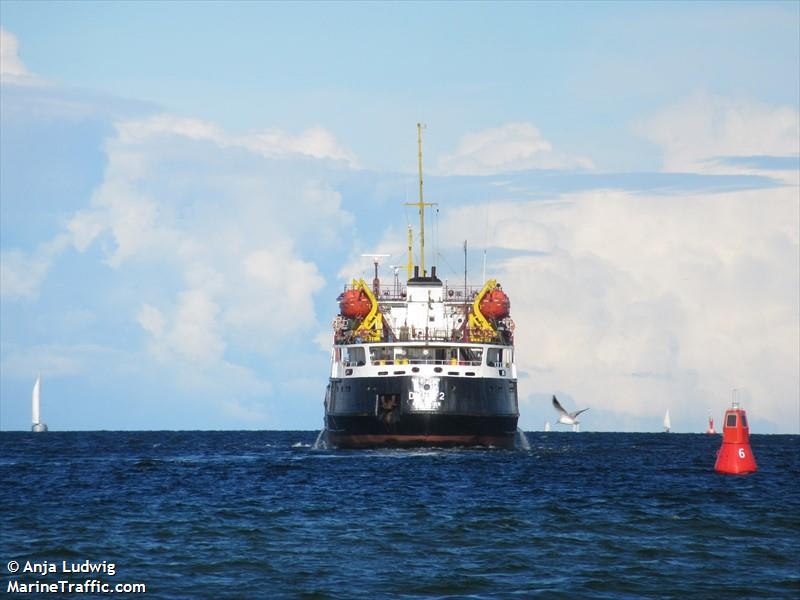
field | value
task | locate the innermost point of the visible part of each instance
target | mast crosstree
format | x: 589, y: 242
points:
x: 421, y: 204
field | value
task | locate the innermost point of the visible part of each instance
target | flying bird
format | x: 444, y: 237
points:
x: 568, y: 418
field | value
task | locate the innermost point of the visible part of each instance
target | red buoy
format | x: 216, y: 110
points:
x: 735, y: 456
x: 710, y: 429
x: 495, y: 304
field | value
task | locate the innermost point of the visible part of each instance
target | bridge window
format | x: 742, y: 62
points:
x: 494, y: 357
x: 499, y: 357
x: 353, y: 357
x: 425, y: 355
x: 381, y: 355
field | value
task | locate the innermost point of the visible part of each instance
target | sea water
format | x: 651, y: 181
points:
x: 274, y: 515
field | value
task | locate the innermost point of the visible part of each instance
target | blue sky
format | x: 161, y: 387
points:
x: 174, y: 175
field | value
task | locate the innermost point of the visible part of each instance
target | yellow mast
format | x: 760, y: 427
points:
x: 421, y: 205
x: 410, y: 264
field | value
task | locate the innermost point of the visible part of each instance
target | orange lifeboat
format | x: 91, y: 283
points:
x: 354, y: 304
x: 495, y: 304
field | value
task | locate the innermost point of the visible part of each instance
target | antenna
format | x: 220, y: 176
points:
x: 465, y: 272
x: 485, y: 242
x: 376, y: 283
x: 410, y: 264
x: 397, y: 278
x: 421, y: 205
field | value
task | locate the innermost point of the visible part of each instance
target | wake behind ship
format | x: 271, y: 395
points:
x: 427, y: 363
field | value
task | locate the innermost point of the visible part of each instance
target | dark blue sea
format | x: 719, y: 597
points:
x: 266, y: 515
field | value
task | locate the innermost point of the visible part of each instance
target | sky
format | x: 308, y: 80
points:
x: 186, y: 187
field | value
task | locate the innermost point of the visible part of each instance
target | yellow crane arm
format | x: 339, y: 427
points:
x: 477, y: 322
x: 371, y: 328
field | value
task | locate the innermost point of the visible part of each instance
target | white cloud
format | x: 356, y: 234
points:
x: 22, y: 273
x: 324, y: 339
x: 56, y: 360
x: 152, y: 320
x: 511, y: 147
x: 252, y: 414
x: 195, y: 332
x: 276, y: 274
x: 221, y: 229
x: 10, y: 63
x: 700, y: 131
x: 641, y: 303
x: 360, y: 264
x: 315, y: 142
x: 12, y: 69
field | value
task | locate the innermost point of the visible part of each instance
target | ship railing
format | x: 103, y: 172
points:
x: 424, y: 361
x: 437, y: 336
x: 457, y: 336
x: 450, y: 293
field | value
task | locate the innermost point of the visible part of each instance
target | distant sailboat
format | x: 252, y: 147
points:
x: 667, y: 422
x: 547, y: 425
x: 35, y: 404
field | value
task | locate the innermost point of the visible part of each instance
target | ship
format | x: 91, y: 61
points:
x: 425, y: 363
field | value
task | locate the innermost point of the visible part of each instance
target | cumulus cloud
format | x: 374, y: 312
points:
x: 10, y: 63
x: 58, y: 359
x: 195, y: 331
x: 152, y: 320
x: 275, y: 274
x: 511, y: 147
x: 635, y: 303
x: 22, y: 273
x: 12, y: 69
x: 222, y: 229
x: 703, y: 132
x: 315, y: 142
x: 192, y: 334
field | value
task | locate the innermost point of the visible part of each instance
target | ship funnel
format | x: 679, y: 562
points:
x: 433, y: 272
x: 416, y: 272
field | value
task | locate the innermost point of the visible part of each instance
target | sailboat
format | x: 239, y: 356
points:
x: 667, y: 422
x: 37, y: 426
x: 547, y: 426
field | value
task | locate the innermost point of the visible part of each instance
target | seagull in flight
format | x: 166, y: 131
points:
x: 568, y: 418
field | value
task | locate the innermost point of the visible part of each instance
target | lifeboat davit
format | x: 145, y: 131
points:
x: 354, y: 304
x: 495, y: 304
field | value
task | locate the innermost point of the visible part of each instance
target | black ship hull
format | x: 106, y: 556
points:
x: 411, y: 411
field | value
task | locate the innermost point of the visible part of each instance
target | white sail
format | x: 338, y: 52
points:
x: 35, y: 400
x: 547, y: 426
x: 667, y: 422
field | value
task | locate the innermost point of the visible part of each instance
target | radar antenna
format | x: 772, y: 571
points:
x: 376, y: 282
